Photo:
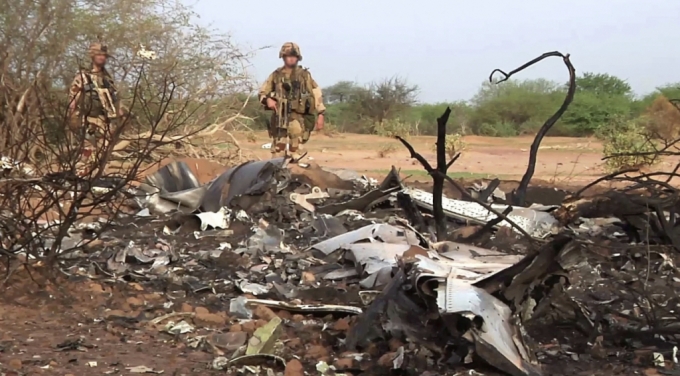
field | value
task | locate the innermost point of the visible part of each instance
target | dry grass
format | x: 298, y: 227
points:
x: 386, y: 149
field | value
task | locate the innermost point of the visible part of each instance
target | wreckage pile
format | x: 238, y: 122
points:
x: 311, y: 271
x: 289, y: 246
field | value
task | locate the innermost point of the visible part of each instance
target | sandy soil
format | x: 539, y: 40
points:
x: 561, y: 160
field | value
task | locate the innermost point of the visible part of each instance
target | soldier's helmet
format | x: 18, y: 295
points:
x: 97, y: 48
x: 290, y: 49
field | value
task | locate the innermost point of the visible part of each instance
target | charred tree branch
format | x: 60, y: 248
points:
x: 601, y: 179
x: 439, y: 176
x: 520, y: 195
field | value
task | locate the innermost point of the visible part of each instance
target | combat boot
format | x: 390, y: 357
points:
x: 295, y: 155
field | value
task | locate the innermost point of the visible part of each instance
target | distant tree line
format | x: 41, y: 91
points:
x: 512, y: 108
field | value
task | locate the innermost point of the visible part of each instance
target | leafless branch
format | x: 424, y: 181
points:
x: 520, y: 194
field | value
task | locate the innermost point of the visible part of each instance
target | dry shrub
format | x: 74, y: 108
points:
x: 386, y: 149
x: 627, y: 143
x: 454, y: 144
x: 663, y: 119
x: 393, y: 128
x: 251, y: 137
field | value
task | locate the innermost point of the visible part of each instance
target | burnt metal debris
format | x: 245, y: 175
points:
x: 262, y: 230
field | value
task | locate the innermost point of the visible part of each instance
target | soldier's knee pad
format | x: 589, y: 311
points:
x: 294, y: 129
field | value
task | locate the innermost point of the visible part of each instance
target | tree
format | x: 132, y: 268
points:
x: 590, y: 110
x: 425, y: 115
x: 600, y: 98
x: 514, y: 107
x: 385, y: 99
x: 185, y: 90
x: 602, y: 84
x: 340, y: 92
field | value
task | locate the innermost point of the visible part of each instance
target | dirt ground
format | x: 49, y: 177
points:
x: 86, y: 327
x: 561, y: 160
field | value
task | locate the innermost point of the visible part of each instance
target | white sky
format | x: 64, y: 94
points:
x: 449, y: 47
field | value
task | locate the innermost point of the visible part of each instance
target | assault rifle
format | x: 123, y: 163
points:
x: 283, y: 107
x: 106, y: 98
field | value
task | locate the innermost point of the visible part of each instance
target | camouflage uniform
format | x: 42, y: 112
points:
x: 91, y: 118
x: 303, y: 95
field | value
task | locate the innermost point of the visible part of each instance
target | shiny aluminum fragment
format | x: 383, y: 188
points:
x: 536, y: 223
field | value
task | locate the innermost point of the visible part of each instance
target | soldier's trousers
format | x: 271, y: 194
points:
x: 298, y: 131
x: 91, y: 130
x: 290, y: 135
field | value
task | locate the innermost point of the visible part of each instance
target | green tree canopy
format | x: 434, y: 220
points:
x: 603, y: 84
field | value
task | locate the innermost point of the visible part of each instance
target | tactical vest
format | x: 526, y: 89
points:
x: 92, y: 105
x: 296, y: 88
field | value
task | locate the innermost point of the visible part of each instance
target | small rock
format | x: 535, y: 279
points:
x: 307, y: 278
x: 264, y: 313
x: 395, y: 344
x: 386, y: 360
x: 294, y: 368
x: 14, y: 364
x: 249, y: 326
x: 201, y: 311
x: 186, y: 308
x: 284, y: 315
x: 373, y: 350
x: 134, y: 301
x: 343, y: 363
x: 235, y: 328
x: 294, y: 343
x: 464, y: 232
x: 209, y: 319
x: 136, y: 286
x: 154, y: 297
x: 53, y: 363
x: 298, y: 318
x: 341, y: 325
x: 93, y: 244
x: 316, y: 352
x: 96, y: 287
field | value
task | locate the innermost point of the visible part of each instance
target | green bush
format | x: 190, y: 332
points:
x: 454, y: 144
x: 497, y: 130
x: 623, y: 140
x: 393, y: 128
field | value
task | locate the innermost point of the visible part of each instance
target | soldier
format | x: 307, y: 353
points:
x: 293, y: 95
x: 92, y: 99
